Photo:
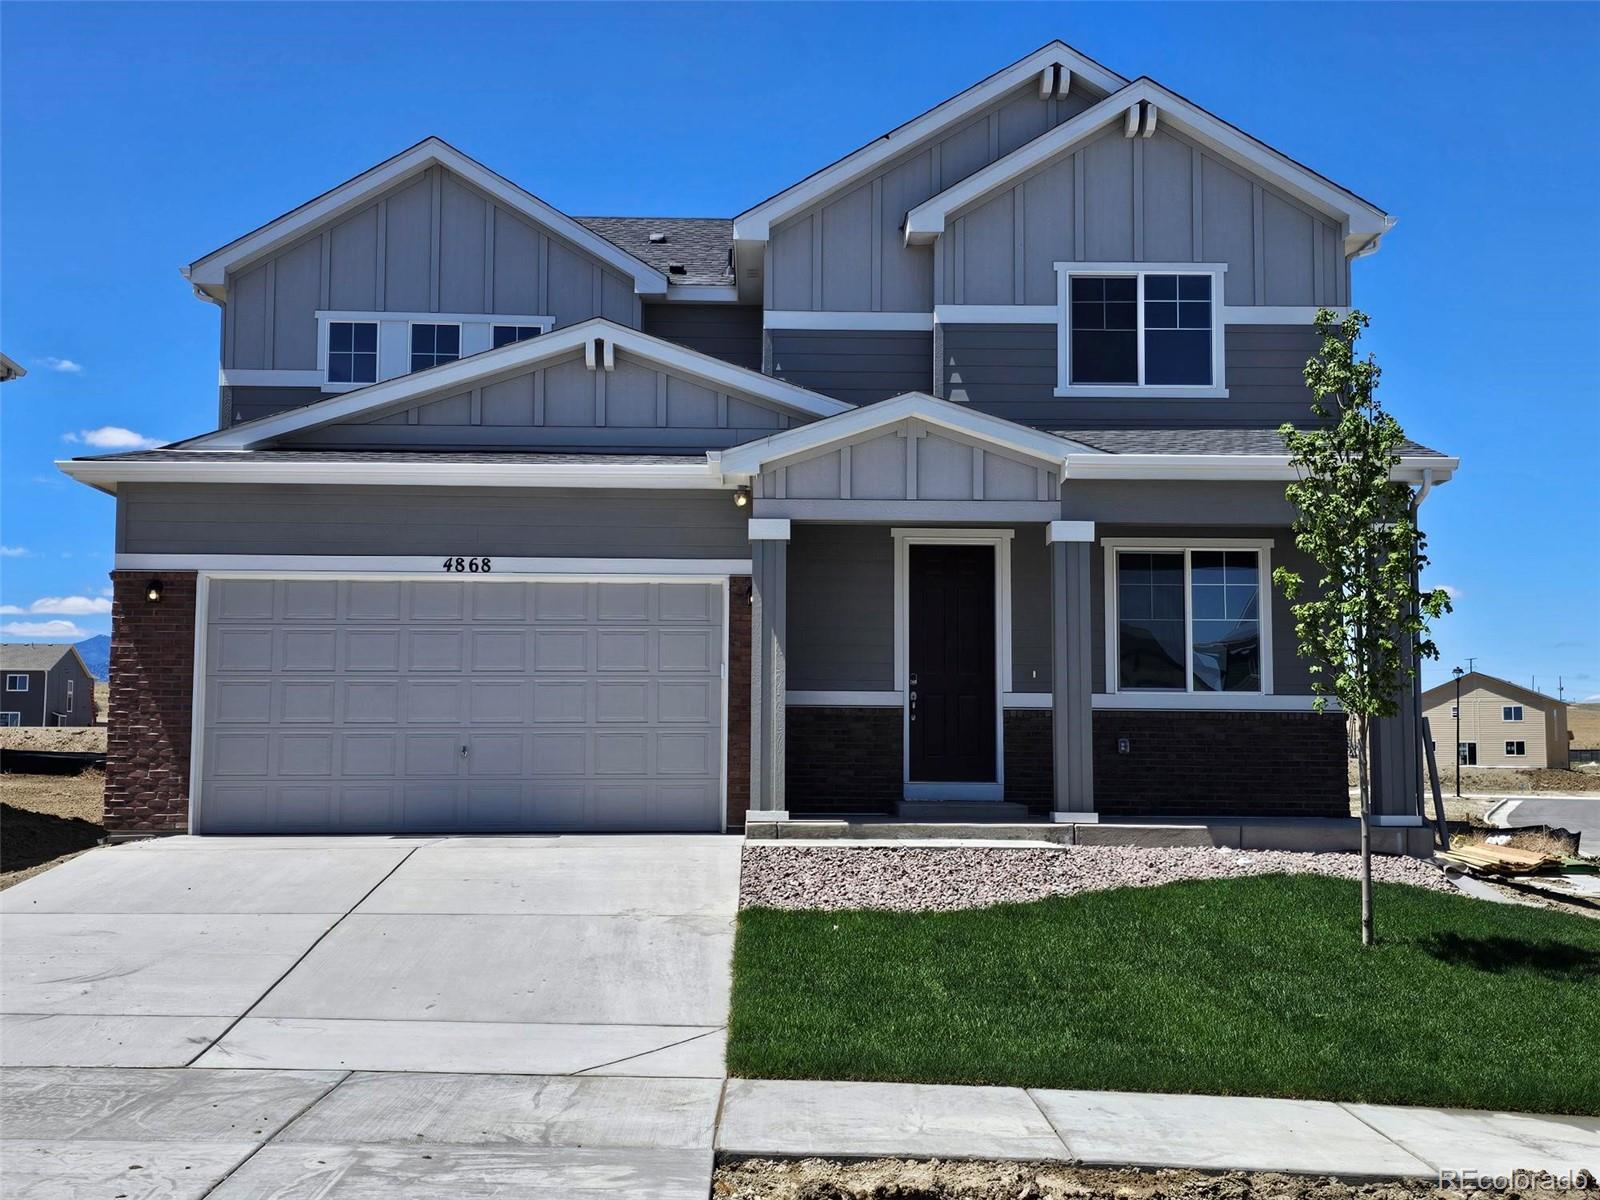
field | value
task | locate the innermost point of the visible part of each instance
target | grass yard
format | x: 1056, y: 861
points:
x: 1242, y: 987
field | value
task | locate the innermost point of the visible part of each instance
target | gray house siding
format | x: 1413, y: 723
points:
x: 69, y: 669
x: 353, y: 520
x: 1010, y: 371
x: 238, y: 404
x: 857, y: 366
x: 30, y: 704
x: 731, y: 332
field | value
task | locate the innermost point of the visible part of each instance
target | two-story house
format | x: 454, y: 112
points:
x: 946, y: 475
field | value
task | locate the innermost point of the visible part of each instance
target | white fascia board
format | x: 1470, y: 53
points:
x: 755, y: 224
x: 105, y: 475
x: 778, y: 318
x: 211, y: 272
x: 702, y: 293
x: 464, y: 372
x: 750, y: 457
x: 1272, y: 467
x: 1362, y: 223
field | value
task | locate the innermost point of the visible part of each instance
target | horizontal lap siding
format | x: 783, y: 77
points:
x: 858, y: 366
x: 731, y: 332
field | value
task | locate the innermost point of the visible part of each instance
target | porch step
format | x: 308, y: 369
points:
x: 972, y: 812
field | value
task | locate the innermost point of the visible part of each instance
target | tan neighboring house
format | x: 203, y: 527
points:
x: 1502, y: 724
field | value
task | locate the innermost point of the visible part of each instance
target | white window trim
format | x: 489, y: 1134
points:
x: 1467, y: 754
x: 1511, y: 708
x: 70, y: 683
x: 1216, y: 390
x: 11, y: 681
x: 1513, y: 753
x: 1000, y: 540
x: 1187, y: 695
x: 394, y: 356
x: 461, y: 349
x: 10, y: 720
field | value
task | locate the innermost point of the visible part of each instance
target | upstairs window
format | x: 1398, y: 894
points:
x: 16, y: 683
x: 505, y: 335
x: 1511, y: 712
x: 352, y: 352
x: 69, y: 695
x: 432, y: 345
x: 1127, y: 330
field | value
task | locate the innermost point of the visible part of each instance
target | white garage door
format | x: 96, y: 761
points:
x: 383, y: 706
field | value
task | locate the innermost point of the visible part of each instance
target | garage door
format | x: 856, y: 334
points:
x: 384, y: 706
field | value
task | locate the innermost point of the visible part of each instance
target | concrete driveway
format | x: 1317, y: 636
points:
x: 562, y: 994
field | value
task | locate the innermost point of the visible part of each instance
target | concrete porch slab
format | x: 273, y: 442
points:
x: 1450, y: 1139
x: 78, y: 1040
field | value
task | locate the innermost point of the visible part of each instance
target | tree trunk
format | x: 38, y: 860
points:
x: 1366, y: 830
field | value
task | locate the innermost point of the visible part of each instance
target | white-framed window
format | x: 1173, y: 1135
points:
x: 433, y: 344
x: 1454, y: 711
x: 1189, y: 618
x: 10, y: 718
x: 1511, y: 712
x: 506, y: 335
x: 1140, y: 329
x: 1516, y: 749
x: 17, y: 683
x: 353, y: 352
x: 357, y: 349
x: 1468, y: 754
x: 70, y: 682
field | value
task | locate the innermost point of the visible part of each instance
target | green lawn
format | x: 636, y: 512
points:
x: 1247, y: 987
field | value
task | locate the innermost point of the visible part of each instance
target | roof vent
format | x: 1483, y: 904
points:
x: 657, y: 238
x: 677, y: 269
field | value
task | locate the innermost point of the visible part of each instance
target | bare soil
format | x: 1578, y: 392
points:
x: 904, y: 1179
x: 90, y: 738
x: 1507, y: 781
x: 47, y: 819
x: 1583, y: 721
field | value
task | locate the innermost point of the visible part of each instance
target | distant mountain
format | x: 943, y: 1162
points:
x: 96, y: 654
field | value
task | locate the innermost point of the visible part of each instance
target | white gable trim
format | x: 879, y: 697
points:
x: 1362, y: 222
x: 750, y: 457
x: 210, y: 273
x: 756, y: 223
x: 465, y: 372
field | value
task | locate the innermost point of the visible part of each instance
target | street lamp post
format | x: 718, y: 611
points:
x: 1458, y: 673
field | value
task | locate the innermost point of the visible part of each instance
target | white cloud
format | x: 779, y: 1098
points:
x: 112, y: 437
x: 44, y: 629
x: 1449, y: 589
x: 71, y: 606
x: 11, y: 610
x: 65, y: 365
x: 12, y: 551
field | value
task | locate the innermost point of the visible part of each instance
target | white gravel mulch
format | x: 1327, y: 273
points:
x: 918, y: 879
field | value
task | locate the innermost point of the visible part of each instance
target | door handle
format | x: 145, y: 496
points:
x: 463, y: 751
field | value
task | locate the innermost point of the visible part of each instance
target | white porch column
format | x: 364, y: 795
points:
x: 1072, y: 668
x: 769, y: 583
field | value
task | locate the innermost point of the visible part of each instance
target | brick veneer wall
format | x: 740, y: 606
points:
x: 843, y: 760
x: 151, y: 711
x: 738, y: 700
x: 1233, y: 764
x: 1030, y: 758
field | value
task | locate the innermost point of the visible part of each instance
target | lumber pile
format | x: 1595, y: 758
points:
x: 1484, y: 859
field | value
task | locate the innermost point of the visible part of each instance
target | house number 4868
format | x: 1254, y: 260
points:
x: 472, y: 566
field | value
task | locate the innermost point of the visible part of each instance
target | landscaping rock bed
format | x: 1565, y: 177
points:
x: 936, y: 879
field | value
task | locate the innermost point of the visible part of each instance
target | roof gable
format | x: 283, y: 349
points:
x: 36, y: 656
x: 208, y: 274
x: 1363, y: 222
x: 1492, y: 684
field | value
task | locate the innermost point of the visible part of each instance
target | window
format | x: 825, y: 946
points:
x: 352, y: 352
x: 1130, y: 329
x: 432, y: 345
x: 1467, y: 754
x: 1454, y: 711
x: 1189, y: 620
x: 70, y: 682
x: 1516, y: 749
x: 1511, y: 712
x: 10, y: 718
x: 16, y: 683
x: 505, y: 335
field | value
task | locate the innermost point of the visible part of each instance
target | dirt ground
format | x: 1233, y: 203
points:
x: 82, y: 737
x: 901, y: 1179
x: 1583, y: 720
x: 1506, y: 781
x: 47, y: 819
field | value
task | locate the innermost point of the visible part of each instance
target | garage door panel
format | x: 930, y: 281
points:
x: 387, y: 705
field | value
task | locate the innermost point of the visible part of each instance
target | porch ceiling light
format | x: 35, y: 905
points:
x: 152, y: 591
x: 741, y: 497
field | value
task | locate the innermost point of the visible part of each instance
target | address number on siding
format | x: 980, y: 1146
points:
x: 469, y: 566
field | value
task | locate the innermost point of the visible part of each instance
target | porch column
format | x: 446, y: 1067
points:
x: 769, y: 583
x: 1072, y: 668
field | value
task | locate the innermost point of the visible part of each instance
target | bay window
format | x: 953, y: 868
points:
x: 1130, y: 329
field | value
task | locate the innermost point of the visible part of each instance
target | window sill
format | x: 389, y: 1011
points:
x: 1209, y: 702
x: 1151, y: 392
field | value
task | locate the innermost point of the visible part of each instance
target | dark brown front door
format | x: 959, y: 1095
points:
x: 951, y: 661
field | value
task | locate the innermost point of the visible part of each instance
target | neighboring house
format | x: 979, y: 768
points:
x: 10, y: 369
x: 45, y: 685
x: 1502, y: 724
x: 947, y: 473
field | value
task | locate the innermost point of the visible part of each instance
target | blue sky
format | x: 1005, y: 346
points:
x: 137, y: 137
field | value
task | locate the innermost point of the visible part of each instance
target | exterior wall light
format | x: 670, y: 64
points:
x: 152, y: 591
x: 741, y: 497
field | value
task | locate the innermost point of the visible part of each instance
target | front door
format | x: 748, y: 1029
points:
x: 951, y: 661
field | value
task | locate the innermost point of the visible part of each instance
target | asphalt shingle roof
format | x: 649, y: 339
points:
x: 32, y: 656
x: 701, y: 246
x: 1196, y: 441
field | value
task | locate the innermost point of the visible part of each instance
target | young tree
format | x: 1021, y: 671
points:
x: 1364, y: 623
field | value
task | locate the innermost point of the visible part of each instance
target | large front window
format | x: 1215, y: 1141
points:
x: 1189, y: 620
x: 1128, y: 330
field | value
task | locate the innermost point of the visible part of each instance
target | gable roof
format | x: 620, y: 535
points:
x: 1363, y: 222
x: 597, y: 337
x: 209, y: 274
x: 36, y: 656
x: 754, y: 224
x: 1491, y: 683
x: 701, y: 246
x: 10, y: 369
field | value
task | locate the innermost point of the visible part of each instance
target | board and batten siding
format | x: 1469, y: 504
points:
x: 433, y: 243
x: 854, y: 365
x: 344, y: 521
x: 1542, y: 730
x: 847, y: 253
x: 1159, y: 199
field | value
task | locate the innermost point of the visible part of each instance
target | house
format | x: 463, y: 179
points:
x: 45, y: 685
x: 946, y: 475
x: 1502, y: 724
x: 10, y: 369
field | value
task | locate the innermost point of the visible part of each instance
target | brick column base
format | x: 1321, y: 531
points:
x: 152, y: 697
x: 738, y: 748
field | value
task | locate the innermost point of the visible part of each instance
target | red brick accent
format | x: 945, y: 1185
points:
x: 151, y: 711
x: 738, y: 700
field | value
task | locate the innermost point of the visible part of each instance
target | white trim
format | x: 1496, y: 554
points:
x: 702, y: 293
x: 453, y: 377
x: 1000, y: 540
x: 755, y: 224
x: 1068, y: 531
x: 197, y: 702
x: 1363, y: 223
x: 1209, y: 702
x: 769, y: 529
x: 1395, y: 820
x: 1187, y: 547
x: 765, y: 814
x: 844, y: 699
x: 1274, y: 467
x: 429, y: 566
x: 1028, y: 700
x: 1217, y: 389
x: 1277, y: 314
x: 476, y: 335
x: 25, y: 676
x: 210, y: 272
x: 250, y: 377
x: 995, y: 314
x: 779, y: 318
x: 10, y: 719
